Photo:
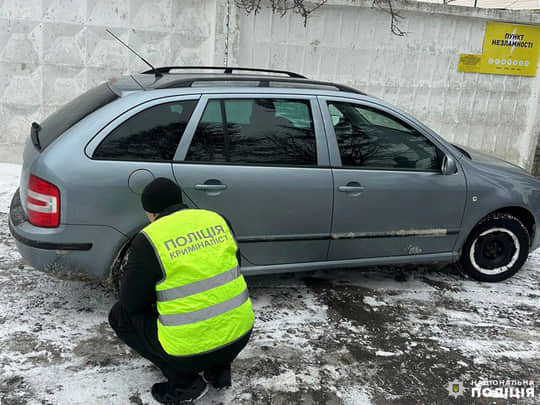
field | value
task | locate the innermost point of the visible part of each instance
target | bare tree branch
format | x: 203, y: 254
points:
x: 281, y: 7
x: 301, y: 7
x: 395, y: 17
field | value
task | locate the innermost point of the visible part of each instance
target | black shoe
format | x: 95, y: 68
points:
x: 219, y: 378
x: 170, y: 395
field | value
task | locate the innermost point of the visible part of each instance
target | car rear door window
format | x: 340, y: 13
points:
x: 370, y: 138
x: 255, y: 131
x: 150, y: 135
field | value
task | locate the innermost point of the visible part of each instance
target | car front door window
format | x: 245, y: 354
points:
x: 371, y: 139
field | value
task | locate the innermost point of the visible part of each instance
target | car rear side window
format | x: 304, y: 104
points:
x: 150, y: 135
x: 74, y: 111
x: 255, y: 131
x: 370, y: 138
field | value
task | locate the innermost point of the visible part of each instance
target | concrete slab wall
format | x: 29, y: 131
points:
x: 349, y: 42
x: 53, y: 50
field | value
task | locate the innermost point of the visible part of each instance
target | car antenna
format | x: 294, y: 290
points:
x: 156, y: 72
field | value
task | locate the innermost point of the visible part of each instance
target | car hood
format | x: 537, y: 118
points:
x: 489, y: 160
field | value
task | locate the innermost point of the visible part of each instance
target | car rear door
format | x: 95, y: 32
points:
x: 262, y: 162
x: 390, y: 197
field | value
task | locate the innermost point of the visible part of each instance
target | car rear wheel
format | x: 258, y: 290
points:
x: 496, y: 248
x: 118, y: 268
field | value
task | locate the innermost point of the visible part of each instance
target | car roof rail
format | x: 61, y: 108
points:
x: 226, y: 70
x: 262, y: 82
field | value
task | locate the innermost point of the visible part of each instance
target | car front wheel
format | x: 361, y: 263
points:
x: 496, y: 248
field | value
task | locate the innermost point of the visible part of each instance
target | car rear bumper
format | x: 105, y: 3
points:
x: 84, y: 249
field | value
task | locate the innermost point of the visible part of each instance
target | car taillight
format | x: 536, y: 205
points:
x: 43, y: 203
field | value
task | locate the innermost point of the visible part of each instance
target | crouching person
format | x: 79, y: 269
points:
x: 183, y: 303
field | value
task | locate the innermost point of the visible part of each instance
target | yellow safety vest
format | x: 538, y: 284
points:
x: 202, y: 300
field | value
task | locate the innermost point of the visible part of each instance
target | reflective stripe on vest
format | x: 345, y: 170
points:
x: 206, y: 313
x: 198, y: 286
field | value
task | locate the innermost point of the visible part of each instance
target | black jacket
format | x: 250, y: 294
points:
x: 143, y: 271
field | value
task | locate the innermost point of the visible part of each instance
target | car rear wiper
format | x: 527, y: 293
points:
x: 34, y: 132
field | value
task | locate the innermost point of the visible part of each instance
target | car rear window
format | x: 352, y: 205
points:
x: 150, y: 135
x: 74, y: 111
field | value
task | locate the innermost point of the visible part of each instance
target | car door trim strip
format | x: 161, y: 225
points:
x: 396, y: 234
x: 350, y: 235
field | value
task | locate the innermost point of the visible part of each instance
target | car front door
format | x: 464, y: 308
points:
x: 390, y: 196
x: 261, y: 162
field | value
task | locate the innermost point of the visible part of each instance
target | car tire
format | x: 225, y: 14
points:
x: 118, y: 269
x: 496, y: 248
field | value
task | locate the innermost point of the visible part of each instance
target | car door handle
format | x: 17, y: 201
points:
x: 350, y: 189
x: 353, y: 189
x: 210, y: 187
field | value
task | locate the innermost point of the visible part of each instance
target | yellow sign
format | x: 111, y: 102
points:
x: 509, y: 49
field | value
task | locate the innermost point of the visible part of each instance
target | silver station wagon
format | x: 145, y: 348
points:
x: 311, y: 175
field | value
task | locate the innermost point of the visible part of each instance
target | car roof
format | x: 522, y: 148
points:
x: 194, y: 76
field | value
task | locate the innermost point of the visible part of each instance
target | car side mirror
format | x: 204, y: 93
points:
x: 448, y: 165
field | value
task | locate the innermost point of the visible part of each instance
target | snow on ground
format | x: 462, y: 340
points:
x: 377, y: 336
x: 9, y: 181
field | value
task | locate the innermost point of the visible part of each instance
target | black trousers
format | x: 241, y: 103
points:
x: 139, y: 331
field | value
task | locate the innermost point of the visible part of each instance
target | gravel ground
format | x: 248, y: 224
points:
x: 374, y: 336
